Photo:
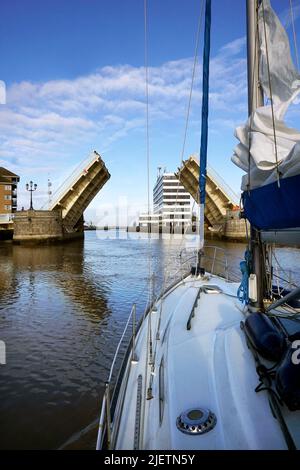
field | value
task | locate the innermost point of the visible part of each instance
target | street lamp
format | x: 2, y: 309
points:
x: 31, y: 187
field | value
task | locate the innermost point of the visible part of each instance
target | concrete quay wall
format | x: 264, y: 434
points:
x: 41, y: 227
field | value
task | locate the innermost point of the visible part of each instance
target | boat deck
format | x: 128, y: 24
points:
x: 207, y: 366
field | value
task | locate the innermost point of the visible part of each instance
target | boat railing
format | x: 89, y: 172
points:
x: 114, y: 392
x: 284, y: 279
x: 108, y: 405
x: 215, y: 260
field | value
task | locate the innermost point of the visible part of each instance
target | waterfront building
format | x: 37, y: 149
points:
x: 153, y: 219
x: 172, y: 201
x: 172, y: 204
x: 8, y: 191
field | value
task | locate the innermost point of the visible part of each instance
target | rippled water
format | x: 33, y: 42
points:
x: 62, y: 311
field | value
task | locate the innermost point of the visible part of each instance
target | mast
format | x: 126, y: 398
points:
x: 255, y: 94
x: 204, y: 121
x: 255, y: 100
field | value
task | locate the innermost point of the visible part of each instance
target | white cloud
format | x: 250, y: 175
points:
x: 288, y: 15
x: 50, y: 125
x: 233, y: 47
x: 2, y: 92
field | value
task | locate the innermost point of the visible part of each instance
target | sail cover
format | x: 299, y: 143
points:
x: 265, y: 156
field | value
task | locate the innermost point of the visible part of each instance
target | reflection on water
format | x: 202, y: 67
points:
x: 62, y: 311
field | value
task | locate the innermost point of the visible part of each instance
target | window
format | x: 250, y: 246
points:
x: 180, y: 196
x: 7, y: 187
x: 7, y: 197
x: 7, y: 208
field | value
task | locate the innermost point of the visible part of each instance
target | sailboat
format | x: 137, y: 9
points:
x: 214, y: 364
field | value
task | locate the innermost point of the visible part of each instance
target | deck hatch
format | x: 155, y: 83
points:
x: 196, y: 421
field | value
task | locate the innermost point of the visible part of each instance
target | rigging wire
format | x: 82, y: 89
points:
x: 294, y: 33
x: 167, y: 274
x: 187, y: 117
x: 193, y: 79
x: 148, y: 203
x: 151, y: 354
x: 147, y: 100
x: 285, y: 272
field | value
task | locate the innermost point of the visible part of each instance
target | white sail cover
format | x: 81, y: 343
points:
x: 259, y: 130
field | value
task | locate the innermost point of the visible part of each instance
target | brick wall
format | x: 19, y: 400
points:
x: 5, y: 204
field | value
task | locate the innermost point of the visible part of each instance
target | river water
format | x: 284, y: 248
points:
x: 62, y: 311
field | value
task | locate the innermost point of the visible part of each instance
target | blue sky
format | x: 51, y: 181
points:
x: 75, y: 82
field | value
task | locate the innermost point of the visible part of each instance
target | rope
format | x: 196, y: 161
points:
x: 294, y: 33
x: 271, y: 95
x: 265, y: 384
x: 243, y: 290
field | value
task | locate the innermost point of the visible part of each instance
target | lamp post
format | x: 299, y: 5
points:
x: 31, y: 187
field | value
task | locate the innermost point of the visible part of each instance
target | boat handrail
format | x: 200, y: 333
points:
x: 133, y: 309
x: 105, y: 415
x: 192, y: 314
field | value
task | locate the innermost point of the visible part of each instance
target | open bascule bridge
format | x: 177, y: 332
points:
x: 62, y: 219
x: 222, y: 213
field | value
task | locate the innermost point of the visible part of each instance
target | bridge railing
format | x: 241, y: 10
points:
x: 70, y: 181
x: 232, y: 196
